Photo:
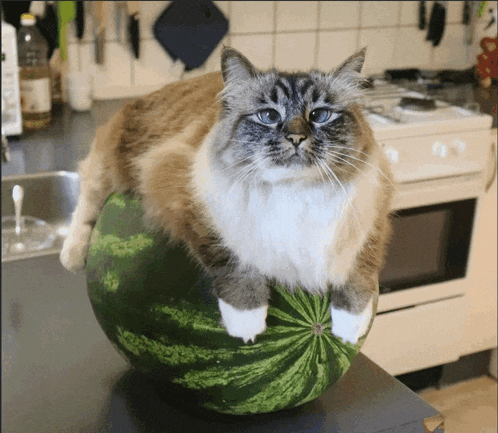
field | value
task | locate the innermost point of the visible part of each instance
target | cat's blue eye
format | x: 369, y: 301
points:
x: 269, y: 116
x: 320, y: 115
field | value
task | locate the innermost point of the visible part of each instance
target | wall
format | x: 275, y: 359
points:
x: 285, y: 34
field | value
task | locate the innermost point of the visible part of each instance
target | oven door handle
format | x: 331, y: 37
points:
x: 493, y: 175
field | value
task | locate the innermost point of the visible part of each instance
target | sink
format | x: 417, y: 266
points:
x: 51, y: 197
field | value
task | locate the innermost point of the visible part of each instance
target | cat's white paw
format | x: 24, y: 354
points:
x: 350, y: 327
x: 75, y: 249
x: 245, y: 324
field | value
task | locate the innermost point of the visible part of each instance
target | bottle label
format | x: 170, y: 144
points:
x: 35, y: 95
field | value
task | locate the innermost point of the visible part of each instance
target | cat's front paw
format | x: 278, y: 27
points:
x: 245, y: 324
x: 75, y: 249
x: 350, y: 327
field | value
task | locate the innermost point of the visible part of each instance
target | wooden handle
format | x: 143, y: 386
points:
x: 132, y: 7
x: 100, y: 14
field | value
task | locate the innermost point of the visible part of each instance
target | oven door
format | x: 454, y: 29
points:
x: 428, y: 255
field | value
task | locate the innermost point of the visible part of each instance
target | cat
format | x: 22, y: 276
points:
x: 267, y: 177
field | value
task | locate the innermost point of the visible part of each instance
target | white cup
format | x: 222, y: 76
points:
x: 80, y: 91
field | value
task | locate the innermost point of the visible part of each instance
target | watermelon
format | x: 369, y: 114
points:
x: 155, y: 305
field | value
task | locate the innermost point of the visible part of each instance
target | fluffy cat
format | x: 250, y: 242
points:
x: 266, y: 176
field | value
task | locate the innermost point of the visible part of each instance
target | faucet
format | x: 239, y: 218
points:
x: 5, y: 148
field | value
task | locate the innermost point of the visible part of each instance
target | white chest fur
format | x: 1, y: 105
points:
x: 287, y: 231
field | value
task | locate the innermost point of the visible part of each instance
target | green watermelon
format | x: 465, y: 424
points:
x: 154, y: 304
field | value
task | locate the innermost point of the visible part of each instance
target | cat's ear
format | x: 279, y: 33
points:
x: 235, y: 67
x: 352, y: 64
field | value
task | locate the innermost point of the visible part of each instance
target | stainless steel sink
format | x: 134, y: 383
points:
x: 50, y: 196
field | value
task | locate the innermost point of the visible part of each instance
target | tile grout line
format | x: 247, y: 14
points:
x: 274, y: 36
x: 317, y: 35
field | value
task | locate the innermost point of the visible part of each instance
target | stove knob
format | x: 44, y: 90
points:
x: 458, y: 147
x: 440, y: 149
x: 392, y: 154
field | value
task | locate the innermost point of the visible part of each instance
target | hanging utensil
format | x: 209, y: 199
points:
x: 48, y: 26
x: 134, y: 26
x: 120, y: 14
x: 190, y: 31
x: 100, y: 18
x: 437, y: 23
x: 80, y: 19
x: 421, y: 15
x: 471, y: 27
x: 466, y: 13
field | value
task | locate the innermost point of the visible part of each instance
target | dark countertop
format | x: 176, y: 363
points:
x: 62, y: 375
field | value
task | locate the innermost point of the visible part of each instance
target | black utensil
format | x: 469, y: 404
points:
x: 417, y: 104
x: 134, y: 27
x: 421, y: 15
x: 48, y: 28
x: 190, y: 31
x: 466, y: 13
x: 437, y: 23
x: 80, y: 19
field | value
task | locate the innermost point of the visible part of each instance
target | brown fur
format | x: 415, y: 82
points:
x: 178, y: 116
x: 149, y: 148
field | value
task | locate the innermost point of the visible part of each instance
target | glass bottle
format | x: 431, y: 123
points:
x: 34, y: 75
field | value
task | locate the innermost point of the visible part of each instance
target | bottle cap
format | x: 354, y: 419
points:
x: 28, y: 19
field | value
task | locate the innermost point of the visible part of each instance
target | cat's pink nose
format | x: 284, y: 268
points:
x: 296, y: 139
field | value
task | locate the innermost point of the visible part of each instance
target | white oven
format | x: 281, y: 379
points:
x: 439, y: 156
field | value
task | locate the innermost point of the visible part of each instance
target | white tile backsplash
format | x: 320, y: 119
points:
x: 153, y: 66
x: 287, y: 34
x: 296, y: 15
x: 411, y: 49
x: 335, y: 47
x: 380, y: 45
x: 258, y: 48
x: 339, y: 14
x: 251, y: 16
x: 295, y: 51
x: 409, y: 13
x: 451, y: 52
x: 379, y: 13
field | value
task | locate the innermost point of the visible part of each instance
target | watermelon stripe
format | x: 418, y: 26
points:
x: 172, y: 354
x: 289, y: 383
x: 117, y: 247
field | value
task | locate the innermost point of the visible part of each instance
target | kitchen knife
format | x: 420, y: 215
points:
x: 421, y: 15
x: 437, y: 23
x: 134, y: 26
x: 80, y: 19
x: 48, y: 27
x: 100, y: 18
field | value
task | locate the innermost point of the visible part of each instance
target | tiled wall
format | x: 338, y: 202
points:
x: 284, y: 34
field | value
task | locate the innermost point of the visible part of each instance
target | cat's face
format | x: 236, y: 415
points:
x: 285, y: 126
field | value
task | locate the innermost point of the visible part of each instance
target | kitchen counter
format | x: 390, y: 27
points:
x: 61, y: 374
x: 61, y: 145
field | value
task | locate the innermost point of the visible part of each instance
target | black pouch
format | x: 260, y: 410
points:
x: 190, y: 31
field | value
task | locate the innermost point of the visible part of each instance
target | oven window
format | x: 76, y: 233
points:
x: 429, y: 245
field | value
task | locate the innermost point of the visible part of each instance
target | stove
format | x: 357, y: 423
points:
x: 439, y: 155
x: 425, y: 138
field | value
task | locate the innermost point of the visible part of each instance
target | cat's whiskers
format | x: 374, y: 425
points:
x: 357, y: 159
x: 246, y: 171
x: 328, y: 172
